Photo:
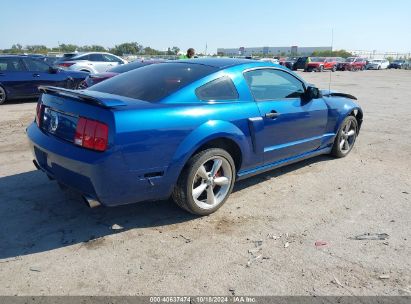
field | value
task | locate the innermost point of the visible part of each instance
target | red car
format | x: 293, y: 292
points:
x: 320, y: 64
x: 352, y: 64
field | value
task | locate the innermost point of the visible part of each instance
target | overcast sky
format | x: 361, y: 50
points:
x: 357, y: 25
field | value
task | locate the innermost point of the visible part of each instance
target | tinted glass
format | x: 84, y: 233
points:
x: 154, y: 82
x: 36, y: 65
x: 96, y: 57
x: 11, y: 65
x: 268, y: 84
x: 317, y: 59
x: 83, y: 57
x: 128, y: 67
x: 219, y: 89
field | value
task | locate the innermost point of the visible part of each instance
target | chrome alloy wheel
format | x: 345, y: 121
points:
x: 211, y: 182
x: 348, y: 134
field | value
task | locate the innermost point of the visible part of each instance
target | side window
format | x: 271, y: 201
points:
x: 269, y: 84
x: 84, y: 57
x: 96, y: 57
x: 219, y: 89
x: 110, y: 58
x: 36, y: 65
x: 11, y: 65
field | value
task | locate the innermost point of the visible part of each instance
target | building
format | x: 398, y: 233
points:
x: 379, y: 55
x: 268, y: 51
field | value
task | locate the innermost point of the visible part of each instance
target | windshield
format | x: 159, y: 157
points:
x: 398, y: 61
x: 317, y: 59
x: 350, y: 59
x: 155, y: 81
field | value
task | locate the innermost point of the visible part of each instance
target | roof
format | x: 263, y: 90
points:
x: 218, y: 62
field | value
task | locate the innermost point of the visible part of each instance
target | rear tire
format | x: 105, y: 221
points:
x: 205, y: 182
x: 321, y: 69
x: 3, y: 95
x: 345, y: 138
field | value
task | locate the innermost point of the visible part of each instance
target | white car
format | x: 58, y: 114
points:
x: 378, y: 64
x: 272, y: 60
x: 92, y: 62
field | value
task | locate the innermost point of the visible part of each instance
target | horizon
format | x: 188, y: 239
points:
x: 224, y: 24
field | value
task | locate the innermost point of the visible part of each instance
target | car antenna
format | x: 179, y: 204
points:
x: 332, y: 42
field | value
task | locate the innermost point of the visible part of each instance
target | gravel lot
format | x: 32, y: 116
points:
x: 262, y: 242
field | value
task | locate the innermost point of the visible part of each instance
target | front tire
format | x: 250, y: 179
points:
x: 205, y: 182
x: 345, y: 138
x: 3, y: 95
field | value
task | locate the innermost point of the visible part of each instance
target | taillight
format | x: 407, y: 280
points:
x: 91, y: 134
x: 66, y: 64
x: 39, y: 110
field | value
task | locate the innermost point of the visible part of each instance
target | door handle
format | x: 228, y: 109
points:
x: 36, y: 75
x: 272, y: 115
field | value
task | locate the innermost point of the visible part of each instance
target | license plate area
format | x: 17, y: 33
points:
x: 60, y: 124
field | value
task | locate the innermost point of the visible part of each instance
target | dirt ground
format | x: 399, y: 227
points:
x: 262, y: 242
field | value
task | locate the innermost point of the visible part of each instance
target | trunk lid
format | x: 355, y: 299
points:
x: 60, y: 110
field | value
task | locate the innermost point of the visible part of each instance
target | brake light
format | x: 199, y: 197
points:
x: 91, y: 134
x: 39, y: 110
x: 66, y: 64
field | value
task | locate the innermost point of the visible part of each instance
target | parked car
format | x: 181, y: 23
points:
x: 397, y: 64
x: 289, y: 62
x: 407, y: 65
x: 187, y: 129
x: 320, y: 64
x: 21, y: 75
x: 377, y: 64
x: 272, y: 60
x: 93, y: 62
x: 352, y: 64
x: 93, y: 79
x: 50, y: 60
x: 294, y: 63
x: 300, y: 64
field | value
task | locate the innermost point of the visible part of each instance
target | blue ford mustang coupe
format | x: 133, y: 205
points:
x: 20, y: 77
x: 186, y: 129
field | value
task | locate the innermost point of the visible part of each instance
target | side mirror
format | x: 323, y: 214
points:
x: 311, y: 93
x: 53, y: 70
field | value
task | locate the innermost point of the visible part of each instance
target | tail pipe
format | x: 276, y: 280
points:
x: 91, y: 202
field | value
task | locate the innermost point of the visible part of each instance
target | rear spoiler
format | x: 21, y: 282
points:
x: 337, y: 94
x: 105, y: 103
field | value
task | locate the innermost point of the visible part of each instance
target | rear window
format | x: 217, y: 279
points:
x: 128, y: 67
x: 154, y: 82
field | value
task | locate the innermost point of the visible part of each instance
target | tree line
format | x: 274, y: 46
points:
x: 127, y: 48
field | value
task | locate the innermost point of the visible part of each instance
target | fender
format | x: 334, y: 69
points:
x: 341, y: 112
x: 208, y: 131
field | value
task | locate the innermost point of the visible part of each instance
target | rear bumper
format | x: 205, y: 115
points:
x: 101, y: 176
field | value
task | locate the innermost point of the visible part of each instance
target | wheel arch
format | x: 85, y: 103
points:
x: 216, y: 134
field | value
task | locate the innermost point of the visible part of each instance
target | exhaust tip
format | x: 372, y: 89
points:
x: 91, y: 202
x: 36, y: 164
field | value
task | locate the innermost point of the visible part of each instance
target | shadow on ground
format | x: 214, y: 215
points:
x: 36, y: 216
